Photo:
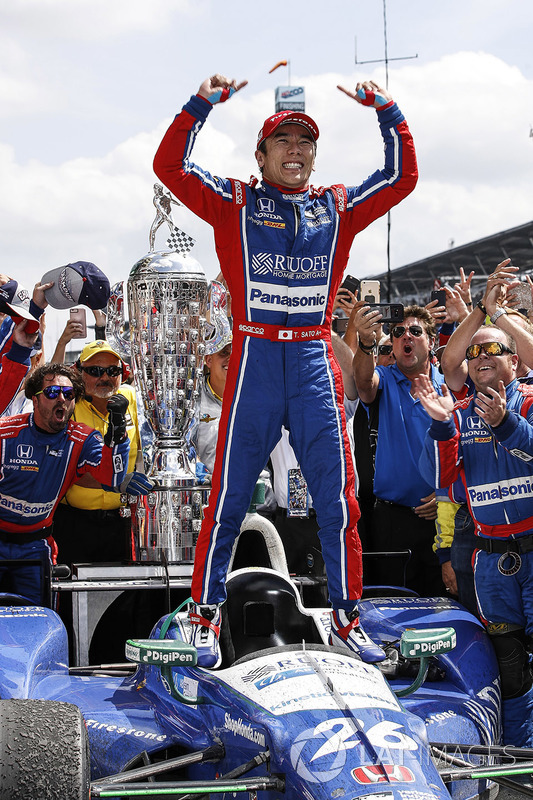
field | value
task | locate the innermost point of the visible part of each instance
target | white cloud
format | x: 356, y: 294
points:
x: 473, y: 145
x: 91, y: 19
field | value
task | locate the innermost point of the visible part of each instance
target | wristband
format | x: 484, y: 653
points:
x: 368, y: 350
x: 368, y: 97
x: 497, y: 314
x: 481, y: 307
x: 222, y: 95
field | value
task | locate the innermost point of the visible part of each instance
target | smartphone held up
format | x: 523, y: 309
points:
x: 370, y: 291
x: 440, y: 295
x: 79, y: 315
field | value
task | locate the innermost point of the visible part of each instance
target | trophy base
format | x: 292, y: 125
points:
x: 166, y: 524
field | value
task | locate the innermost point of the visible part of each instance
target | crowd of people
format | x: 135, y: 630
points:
x: 414, y: 436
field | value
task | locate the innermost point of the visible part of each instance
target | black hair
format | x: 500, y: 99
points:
x: 35, y: 380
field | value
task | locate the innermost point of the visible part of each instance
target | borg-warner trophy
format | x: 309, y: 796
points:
x: 167, y: 300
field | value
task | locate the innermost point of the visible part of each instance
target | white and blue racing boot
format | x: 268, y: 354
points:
x: 347, y: 632
x: 206, y: 621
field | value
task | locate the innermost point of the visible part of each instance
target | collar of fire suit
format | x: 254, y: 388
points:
x: 283, y: 193
x: 510, y: 389
x: 211, y: 390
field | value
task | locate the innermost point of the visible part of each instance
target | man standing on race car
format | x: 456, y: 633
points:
x: 487, y: 442
x: 283, y: 247
x: 43, y: 454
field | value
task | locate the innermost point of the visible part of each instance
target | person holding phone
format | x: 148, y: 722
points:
x: 405, y: 509
x: 283, y: 247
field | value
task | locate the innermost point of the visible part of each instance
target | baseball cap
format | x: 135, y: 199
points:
x: 283, y: 118
x: 15, y: 301
x: 95, y: 348
x: 79, y: 283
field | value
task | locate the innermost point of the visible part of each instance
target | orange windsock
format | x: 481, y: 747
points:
x: 279, y: 64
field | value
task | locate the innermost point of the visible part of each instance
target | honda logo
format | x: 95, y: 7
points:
x: 475, y: 424
x: 266, y: 205
x: 383, y: 773
x: 24, y: 451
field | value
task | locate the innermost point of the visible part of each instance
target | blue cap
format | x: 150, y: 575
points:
x: 79, y: 283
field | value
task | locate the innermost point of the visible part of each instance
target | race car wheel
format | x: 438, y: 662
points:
x: 291, y: 648
x: 44, y: 751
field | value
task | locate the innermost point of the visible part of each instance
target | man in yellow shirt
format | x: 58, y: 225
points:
x: 89, y: 524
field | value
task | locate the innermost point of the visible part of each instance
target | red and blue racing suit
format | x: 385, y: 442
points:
x: 495, y: 466
x: 283, y: 254
x: 36, y: 469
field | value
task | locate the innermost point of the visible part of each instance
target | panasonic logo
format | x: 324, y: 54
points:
x: 260, y: 299
x: 494, y: 493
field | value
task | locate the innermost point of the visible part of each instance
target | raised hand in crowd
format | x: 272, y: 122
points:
x: 366, y: 323
x: 72, y: 330
x: 351, y: 336
x: 21, y: 337
x: 38, y: 296
x: 499, y: 283
x: 493, y: 303
x: 463, y: 286
x: 345, y: 300
x: 437, y: 311
x: 438, y: 406
x: 456, y: 308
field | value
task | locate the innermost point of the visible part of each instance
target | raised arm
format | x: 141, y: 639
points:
x: 368, y: 327
x: 204, y: 194
x: 454, y: 366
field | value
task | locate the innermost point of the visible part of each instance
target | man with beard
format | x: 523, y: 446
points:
x: 89, y: 524
x: 406, y: 508
x: 43, y: 453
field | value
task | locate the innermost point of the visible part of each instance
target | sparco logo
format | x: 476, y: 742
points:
x: 24, y: 450
x: 299, y: 267
x: 251, y: 329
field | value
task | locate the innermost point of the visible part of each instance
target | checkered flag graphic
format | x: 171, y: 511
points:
x: 179, y: 241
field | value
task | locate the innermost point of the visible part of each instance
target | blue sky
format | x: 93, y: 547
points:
x: 87, y: 89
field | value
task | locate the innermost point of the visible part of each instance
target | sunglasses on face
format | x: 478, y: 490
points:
x: 414, y: 330
x: 385, y: 349
x: 489, y: 348
x: 97, y: 372
x: 53, y: 392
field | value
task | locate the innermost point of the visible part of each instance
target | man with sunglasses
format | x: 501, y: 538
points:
x: 486, y: 441
x: 103, y: 529
x: 43, y: 453
x: 404, y: 514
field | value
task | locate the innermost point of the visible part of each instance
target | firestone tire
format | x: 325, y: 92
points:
x: 44, y: 751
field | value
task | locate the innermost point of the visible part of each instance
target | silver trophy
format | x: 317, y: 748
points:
x: 167, y: 300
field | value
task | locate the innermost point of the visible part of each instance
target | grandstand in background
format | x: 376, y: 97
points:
x: 414, y: 282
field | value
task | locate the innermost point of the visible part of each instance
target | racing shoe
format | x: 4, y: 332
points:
x: 347, y: 632
x: 206, y: 621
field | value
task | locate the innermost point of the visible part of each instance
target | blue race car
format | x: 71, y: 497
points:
x: 286, y: 715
